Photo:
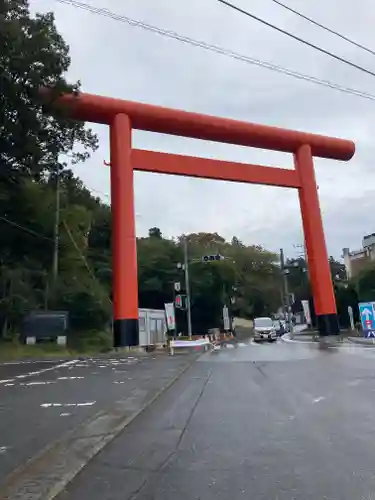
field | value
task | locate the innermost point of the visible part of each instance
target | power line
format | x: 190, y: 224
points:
x: 297, y: 38
x: 29, y: 231
x: 217, y: 49
x: 39, y: 235
x: 83, y: 258
x: 25, y: 229
x: 333, y: 32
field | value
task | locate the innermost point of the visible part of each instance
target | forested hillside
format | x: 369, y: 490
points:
x: 82, y: 284
x: 55, y: 250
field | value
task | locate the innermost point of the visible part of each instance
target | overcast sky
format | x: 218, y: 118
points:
x: 114, y: 59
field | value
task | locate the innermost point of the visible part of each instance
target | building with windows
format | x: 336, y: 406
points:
x: 356, y: 260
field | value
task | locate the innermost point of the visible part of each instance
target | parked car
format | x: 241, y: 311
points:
x: 264, y: 329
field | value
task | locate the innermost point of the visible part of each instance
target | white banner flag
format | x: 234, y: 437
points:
x: 169, y: 312
x: 306, y: 311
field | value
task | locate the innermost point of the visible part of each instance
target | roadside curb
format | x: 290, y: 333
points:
x: 352, y: 340
x: 46, y: 474
x: 369, y: 343
x: 286, y: 338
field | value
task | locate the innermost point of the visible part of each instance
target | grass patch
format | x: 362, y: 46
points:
x: 92, y: 341
x: 13, y: 351
x: 79, y: 343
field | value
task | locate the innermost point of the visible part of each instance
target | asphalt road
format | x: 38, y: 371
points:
x: 41, y: 401
x: 275, y: 422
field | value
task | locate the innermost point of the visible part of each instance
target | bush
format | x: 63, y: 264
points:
x: 91, y: 341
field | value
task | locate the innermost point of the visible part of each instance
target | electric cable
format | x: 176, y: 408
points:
x: 217, y: 49
x: 322, y: 26
x: 296, y: 38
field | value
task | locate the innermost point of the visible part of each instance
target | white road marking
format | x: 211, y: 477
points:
x: 66, y: 364
x: 65, y: 414
x: 31, y: 362
x: 3, y: 449
x: 6, y: 380
x: 70, y: 378
x: 44, y: 370
x: 30, y: 384
x: 38, y: 382
x: 317, y: 400
x: 58, y: 405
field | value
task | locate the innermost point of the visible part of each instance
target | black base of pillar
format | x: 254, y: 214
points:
x: 125, y: 333
x: 328, y: 324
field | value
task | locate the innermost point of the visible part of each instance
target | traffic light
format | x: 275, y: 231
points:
x: 178, y: 302
x: 212, y: 258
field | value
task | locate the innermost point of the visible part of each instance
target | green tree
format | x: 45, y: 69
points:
x: 338, y: 270
x: 248, y: 276
x: 155, y: 232
x: 34, y: 55
x: 157, y: 270
x: 33, y: 146
x: 365, y: 284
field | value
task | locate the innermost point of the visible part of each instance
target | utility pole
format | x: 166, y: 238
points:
x: 284, y: 273
x: 303, y: 248
x: 55, y: 265
x: 187, y: 286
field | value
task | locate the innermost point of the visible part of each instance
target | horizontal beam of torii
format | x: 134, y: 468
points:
x: 205, y: 168
x: 98, y: 109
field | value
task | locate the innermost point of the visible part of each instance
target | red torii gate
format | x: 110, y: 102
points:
x: 123, y: 116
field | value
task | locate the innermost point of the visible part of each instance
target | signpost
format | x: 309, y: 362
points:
x: 367, y: 315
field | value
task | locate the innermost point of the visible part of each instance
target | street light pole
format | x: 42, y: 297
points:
x: 187, y: 286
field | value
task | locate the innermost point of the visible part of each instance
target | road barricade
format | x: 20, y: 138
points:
x: 198, y: 343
